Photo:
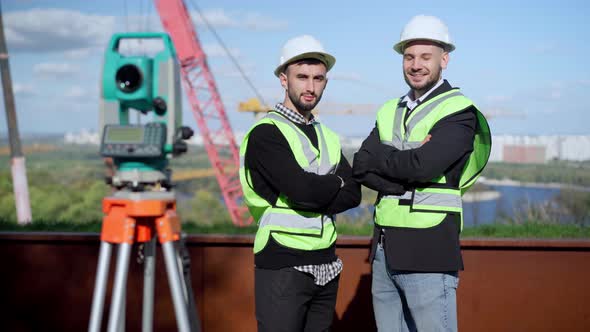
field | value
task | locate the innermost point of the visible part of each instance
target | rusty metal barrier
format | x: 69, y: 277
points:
x: 46, y: 284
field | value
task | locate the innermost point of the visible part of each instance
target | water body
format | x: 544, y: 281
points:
x: 512, y: 201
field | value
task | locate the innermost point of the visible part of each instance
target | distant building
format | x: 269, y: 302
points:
x: 505, y: 148
x: 540, y: 149
x: 83, y: 137
x: 533, y: 154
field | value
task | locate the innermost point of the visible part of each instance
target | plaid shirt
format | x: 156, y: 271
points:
x: 294, y: 116
x: 322, y: 273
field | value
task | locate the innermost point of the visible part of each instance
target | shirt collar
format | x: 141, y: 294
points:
x: 294, y: 116
x: 411, y: 103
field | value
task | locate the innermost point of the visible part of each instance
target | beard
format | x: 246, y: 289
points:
x: 302, y: 106
x: 424, y: 87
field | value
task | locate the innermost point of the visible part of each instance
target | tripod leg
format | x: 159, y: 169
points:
x: 100, y: 287
x: 149, y: 278
x: 185, y: 266
x: 172, y: 269
x: 117, y: 304
x: 123, y: 306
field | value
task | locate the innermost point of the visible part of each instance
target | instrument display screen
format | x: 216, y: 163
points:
x: 131, y: 135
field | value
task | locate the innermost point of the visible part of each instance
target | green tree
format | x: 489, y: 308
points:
x: 576, y: 203
x: 205, y: 209
x: 87, y: 206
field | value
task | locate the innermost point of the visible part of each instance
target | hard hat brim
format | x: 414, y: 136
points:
x: 399, y: 47
x: 325, y: 58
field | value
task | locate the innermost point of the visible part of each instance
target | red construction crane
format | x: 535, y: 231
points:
x: 206, y: 104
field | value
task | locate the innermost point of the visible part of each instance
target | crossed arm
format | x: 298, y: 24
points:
x: 275, y: 171
x: 386, y: 169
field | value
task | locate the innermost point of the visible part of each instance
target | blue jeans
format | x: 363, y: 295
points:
x: 405, y: 301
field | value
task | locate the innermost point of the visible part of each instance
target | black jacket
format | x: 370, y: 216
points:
x: 274, y: 170
x: 391, y: 171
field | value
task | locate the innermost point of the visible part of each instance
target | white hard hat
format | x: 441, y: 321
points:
x: 303, y: 47
x: 423, y: 27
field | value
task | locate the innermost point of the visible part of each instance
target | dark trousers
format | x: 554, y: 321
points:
x: 288, y: 300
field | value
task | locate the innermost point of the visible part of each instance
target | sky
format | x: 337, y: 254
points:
x: 522, y: 62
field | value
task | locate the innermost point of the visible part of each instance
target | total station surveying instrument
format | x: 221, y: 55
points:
x: 143, y: 204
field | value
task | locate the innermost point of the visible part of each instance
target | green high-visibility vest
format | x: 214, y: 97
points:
x: 428, y: 206
x: 292, y: 228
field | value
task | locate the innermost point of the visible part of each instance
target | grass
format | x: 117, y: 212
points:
x: 50, y: 226
x: 524, y: 230
x: 95, y: 227
x: 528, y: 230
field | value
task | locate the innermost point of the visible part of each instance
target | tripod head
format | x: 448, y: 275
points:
x: 150, y: 86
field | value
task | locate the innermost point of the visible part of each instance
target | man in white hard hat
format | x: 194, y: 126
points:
x: 427, y: 148
x: 295, y: 179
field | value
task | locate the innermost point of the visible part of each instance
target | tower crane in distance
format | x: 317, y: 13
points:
x: 200, y: 87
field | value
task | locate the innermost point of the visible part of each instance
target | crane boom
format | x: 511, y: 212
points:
x: 209, y: 112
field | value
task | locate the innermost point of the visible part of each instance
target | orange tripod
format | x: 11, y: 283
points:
x: 138, y: 217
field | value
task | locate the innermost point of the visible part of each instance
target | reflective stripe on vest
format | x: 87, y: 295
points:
x: 399, y: 140
x: 312, y: 223
x: 427, y: 207
x: 291, y: 228
x: 431, y: 199
x: 437, y: 199
x: 324, y: 166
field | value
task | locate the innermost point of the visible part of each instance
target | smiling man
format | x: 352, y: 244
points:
x: 424, y: 62
x: 295, y: 179
x: 427, y: 148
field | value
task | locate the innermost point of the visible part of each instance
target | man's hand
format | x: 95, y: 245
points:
x: 380, y: 184
x: 371, y: 144
x: 426, y: 140
x: 360, y: 163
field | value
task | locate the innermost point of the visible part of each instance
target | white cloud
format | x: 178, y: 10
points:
x: 49, y: 69
x: 150, y: 47
x: 53, y: 30
x: 76, y: 33
x: 219, y: 18
x: 150, y: 23
x: 76, y: 93
x: 215, y: 17
x: 77, y: 54
x: 255, y: 21
x: 23, y: 90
